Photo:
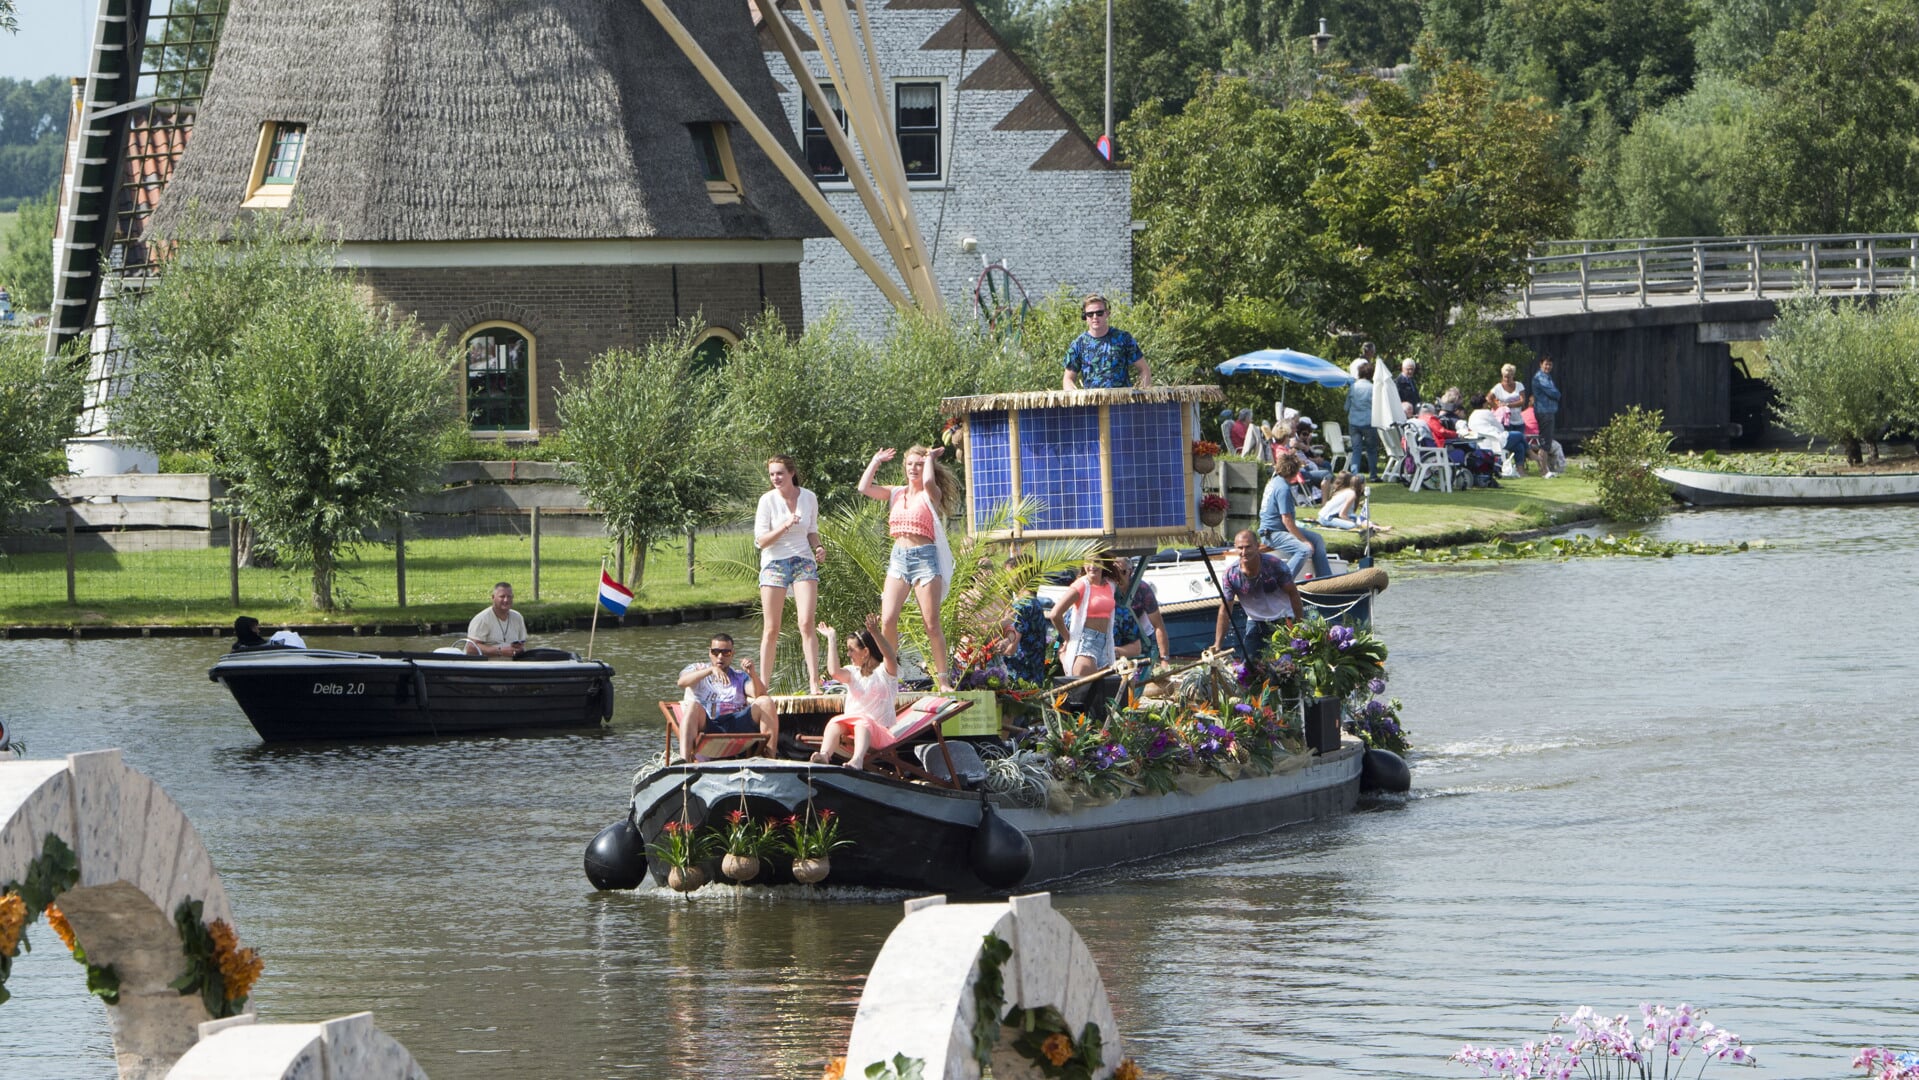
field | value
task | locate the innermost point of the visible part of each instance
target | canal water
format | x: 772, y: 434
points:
x: 1672, y: 780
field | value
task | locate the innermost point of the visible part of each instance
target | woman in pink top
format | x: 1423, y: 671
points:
x: 1091, y: 646
x: 872, y: 683
x: 920, y: 563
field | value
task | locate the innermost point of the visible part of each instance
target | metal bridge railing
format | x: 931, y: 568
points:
x: 1641, y: 272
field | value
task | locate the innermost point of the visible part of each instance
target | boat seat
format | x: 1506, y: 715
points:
x: 918, y: 724
x: 710, y: 745
x: 966, y: 761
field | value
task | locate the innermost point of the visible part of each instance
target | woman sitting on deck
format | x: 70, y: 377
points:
x: 872, y: 683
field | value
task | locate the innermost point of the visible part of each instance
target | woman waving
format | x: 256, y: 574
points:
x: 920, y: 563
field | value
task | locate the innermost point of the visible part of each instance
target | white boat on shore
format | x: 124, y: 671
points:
x: 1702, y: 488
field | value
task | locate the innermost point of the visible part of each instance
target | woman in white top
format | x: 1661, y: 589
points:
x: 872, y: 678
x: 1511, y: 393
x: 786, y: 529
x: 1486, y: 430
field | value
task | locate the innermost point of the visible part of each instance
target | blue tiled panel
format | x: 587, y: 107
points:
x: 988, y: 450
x: 1149, y: 466
x: 1059, y: 465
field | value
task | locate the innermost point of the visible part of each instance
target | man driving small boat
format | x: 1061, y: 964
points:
x: 498, y: 630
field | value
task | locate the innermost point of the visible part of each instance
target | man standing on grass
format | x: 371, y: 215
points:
x: 499, y: 630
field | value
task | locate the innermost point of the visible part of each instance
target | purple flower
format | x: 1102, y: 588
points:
x: 1299, y: 645
x: 1377, y: 686
x: 1341, y: 637
x: 1242, y: 708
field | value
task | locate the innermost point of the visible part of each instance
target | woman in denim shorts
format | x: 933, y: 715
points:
x: 786, y: 529
x: 920, y: 563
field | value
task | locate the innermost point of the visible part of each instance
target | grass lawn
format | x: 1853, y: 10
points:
x: 446, y: 581
x: 1438, y: 519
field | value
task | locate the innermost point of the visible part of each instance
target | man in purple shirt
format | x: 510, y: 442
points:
x: 1266, y: 591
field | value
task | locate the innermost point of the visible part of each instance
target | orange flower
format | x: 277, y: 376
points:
x: 13, y: 922
x: 1128, y: 1070
x: 239, y: 968
x: 835, y: 1069
x: 58, y: 920
x: 1057, y: 1048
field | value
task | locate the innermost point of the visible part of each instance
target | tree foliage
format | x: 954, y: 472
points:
x: 26, y: 255
x: 33, y: 127
x: 321, y: 414
x: 1679, y: 171
x: 651, y: 448
x: 1622, y: 456
x: 1156, y: 55
x: 39, y: 400
x: 1833, y: 150
x: 1846, y: 372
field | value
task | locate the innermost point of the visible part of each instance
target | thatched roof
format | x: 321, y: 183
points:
x: 488, y: 119
x: 1058, y: 399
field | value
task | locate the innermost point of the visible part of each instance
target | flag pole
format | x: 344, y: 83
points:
x: 595, y: 628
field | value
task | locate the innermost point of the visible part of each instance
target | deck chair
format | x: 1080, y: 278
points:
x: 711, y: 745
x: 917, y: 724
x: 1336, y: 454
x: 1393, y: 438
x: 1429, y: 462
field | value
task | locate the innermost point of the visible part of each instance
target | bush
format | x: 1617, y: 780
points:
x: 38, y: 402
x: 1622, y: 456
x: 26, y: 255
x: 1845, y: 372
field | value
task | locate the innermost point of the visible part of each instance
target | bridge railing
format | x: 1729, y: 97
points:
x: 1641, y: 272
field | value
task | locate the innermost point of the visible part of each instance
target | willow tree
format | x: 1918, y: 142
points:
x: 649, y: 444
x: 1846, y: 372
x: 39, y: 399
x: 322, y: 415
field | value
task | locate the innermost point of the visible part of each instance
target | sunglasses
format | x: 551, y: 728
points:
x: 721, y: 652
x: 1096, y: 312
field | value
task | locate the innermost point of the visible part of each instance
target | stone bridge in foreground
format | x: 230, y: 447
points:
x: 1651, y: 322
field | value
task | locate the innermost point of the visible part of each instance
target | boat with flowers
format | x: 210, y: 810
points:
x: 1218, y: 751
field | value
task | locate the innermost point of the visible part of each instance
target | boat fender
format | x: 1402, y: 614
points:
x: 1001, y: 853
x: 419, y: 687
x: 1383, y: 770
x: 616, y: 859
x: 605, y: 692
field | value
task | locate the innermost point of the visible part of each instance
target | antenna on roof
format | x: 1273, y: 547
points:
x: 879, y: 176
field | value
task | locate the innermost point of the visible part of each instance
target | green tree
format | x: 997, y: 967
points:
x: 1435, y: 205
x: 320, y: 414
x: 33, y: 127
x: 1156, y: 56
x: 1679, y: 171
x: 650, y: 449
x: 1632, y: 55
x: 26, y: 255
x: 1833, y: 148
x: 1844, y: 371
x: 1733, y: 35
x: 39, y: 400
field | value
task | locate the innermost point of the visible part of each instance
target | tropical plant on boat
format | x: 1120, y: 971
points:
x: 1883, y: 1064
x: 810, y: 835
x: 1660, y: 1044
x: 742, y: 840
x: 1334, y: 660
x: 683, y: 847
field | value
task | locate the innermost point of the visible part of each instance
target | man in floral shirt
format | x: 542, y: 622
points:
x: 1103, y: 358
x: 1267, y: 593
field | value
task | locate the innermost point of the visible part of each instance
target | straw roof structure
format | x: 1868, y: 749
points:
x: 1057, y: 399
x: 436, y: 120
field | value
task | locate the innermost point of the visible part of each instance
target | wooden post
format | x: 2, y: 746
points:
x: 70, y: 591
x: 399, y: 556
x: 233, y: 562
x: 690, y: 534
x: 619, y: 570
x: 536, y: 553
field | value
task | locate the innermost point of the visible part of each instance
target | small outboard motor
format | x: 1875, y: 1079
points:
x: 616, y: 859
x: 1383, y: 770
x: 1001, y: 855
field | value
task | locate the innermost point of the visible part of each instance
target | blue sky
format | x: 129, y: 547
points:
x: 53, y: 39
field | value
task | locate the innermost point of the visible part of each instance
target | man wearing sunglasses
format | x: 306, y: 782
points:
x: 725, y: 699
x: 1103, y: 358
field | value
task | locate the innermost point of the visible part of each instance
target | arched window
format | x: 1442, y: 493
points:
x: 499, y: 378
x: 709, y: 353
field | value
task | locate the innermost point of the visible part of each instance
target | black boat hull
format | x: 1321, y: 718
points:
x: 303, y: 695
x: 921, y: 839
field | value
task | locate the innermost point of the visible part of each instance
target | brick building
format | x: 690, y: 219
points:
x: 545, y: 180
x: 990, y: 156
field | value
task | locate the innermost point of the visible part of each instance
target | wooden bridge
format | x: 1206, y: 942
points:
x: 1651, y: 322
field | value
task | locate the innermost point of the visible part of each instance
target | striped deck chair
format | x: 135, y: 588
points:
x: 710, y: 745
x: 919, y: 722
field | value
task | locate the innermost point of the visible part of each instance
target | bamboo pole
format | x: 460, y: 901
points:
x: 770, y: 145
x: 910, y: 220
x: 809, y: 86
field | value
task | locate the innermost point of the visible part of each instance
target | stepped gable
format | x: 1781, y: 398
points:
x: 488, y: 120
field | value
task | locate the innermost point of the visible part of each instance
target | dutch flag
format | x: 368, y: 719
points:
x: 614, y: 596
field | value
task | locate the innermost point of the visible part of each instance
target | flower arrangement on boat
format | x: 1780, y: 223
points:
x: 1660, y: 1044
x: 1883, y: 1064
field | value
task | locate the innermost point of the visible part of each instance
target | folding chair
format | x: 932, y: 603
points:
x: 1394, y: 438
x: 918, y: 723
x: 710, y: 745
x: 1336, y: 454
x: 1428, y: 461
